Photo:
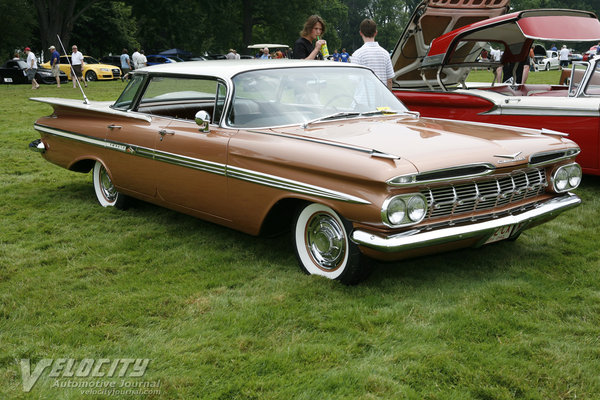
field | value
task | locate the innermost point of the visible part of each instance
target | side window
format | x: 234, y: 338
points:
x: 593, y: 86
x: 180, y: 98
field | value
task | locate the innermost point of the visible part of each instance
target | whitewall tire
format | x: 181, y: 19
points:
x: 106, y: 193
x: 322, y: 245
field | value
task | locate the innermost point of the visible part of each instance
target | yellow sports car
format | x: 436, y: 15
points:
x: 93, y: 70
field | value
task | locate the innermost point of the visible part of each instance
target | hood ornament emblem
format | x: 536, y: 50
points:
x: 510, y: 157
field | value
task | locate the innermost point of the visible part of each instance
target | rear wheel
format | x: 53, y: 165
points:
x: 106, y: 193
x: 323, y: 247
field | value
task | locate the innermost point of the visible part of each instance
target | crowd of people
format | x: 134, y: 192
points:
x: 309, y: 46
x: 137, y: 60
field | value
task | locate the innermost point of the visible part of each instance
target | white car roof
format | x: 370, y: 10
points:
x: 226, y: 69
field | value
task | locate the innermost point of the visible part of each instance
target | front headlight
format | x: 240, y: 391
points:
x: 566, y: 177
x: 405, y: 209
x: 104, y: 69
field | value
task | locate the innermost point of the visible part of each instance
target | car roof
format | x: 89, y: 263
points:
x: 226, y: 69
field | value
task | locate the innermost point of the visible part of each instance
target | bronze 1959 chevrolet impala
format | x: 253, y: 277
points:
x: 319, y: 147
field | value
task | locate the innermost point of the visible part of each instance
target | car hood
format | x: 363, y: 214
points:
x: 104, y: 66
x: 431, y: 144
x: 430, y: 19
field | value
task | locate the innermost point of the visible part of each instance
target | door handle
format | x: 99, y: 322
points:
x: 164, y: 132
x: 112, y: 126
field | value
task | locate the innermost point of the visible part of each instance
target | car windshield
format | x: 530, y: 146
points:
x: 90, y: 60
x: 291, y: 96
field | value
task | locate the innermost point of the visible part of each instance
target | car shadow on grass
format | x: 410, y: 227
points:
x: 277, y: 252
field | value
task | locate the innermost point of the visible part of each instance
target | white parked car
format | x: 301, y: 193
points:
x: 550, y: 62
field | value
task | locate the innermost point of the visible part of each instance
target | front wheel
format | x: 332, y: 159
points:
x: 547, y: 67
x: 106, y: 193
x: 323, y: 248
x: 91, y: 76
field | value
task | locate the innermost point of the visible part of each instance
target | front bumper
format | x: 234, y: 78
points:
x: 416, y: 239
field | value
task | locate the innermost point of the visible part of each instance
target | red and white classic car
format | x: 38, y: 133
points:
x: 444, y: 41
x: 321, y: 148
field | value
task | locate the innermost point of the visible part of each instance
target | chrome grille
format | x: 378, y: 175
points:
x: 486, y: 194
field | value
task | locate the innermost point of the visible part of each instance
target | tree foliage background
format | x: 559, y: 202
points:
x: 101, y: 27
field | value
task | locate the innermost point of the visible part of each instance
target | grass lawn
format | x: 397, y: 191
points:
x: 222, y: 315
x: 551, y: 77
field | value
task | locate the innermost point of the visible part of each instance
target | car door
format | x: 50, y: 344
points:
x: 131, y: 159
x: 192, y: 163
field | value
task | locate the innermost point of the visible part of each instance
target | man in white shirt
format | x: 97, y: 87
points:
x: 31, y: 68
x: 564, y: 57
x: 135, y: 58
x: 496, y: 55
x: 77, y: 64
x: 372, y: 55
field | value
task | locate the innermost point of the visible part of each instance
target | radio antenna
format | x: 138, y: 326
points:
x: 73, y: 76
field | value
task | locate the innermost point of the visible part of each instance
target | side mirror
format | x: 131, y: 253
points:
x: 202, y: 119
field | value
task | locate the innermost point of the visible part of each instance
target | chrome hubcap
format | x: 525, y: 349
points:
x: 108, y: 190
x: 325, y: 240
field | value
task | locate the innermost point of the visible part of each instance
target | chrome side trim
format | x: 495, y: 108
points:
x: 107, y: 144
x: 418, y: 238
x: 291, y: 185
x: 551, y: 111
x: 208, y: 166
x: 73, y: 136
x: 190, y: 162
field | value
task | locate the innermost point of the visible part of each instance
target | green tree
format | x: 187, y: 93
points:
x: 17, y: 28
x: 106, y: 27
x: 57, y: 17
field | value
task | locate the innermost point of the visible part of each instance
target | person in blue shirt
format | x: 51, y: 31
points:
x: 344, y: 57
x: 125, y: 64
x: 335, y: 56
x: 54, y: 64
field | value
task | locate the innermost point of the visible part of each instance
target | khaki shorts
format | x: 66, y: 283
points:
x: 55, y: 70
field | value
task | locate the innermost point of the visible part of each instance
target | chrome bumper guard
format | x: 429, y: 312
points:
x: 416, y: 238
